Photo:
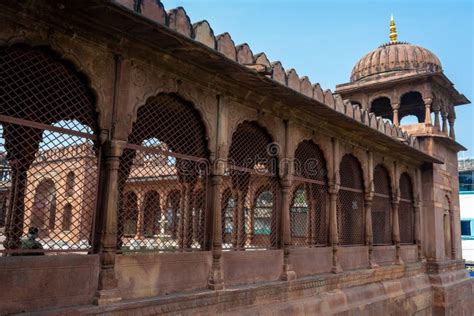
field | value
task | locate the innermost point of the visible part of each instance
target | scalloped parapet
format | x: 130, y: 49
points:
x: 203, y: 33
x: 178, y: 20
x: 226, y: 46
x: 293, y: 80
x: 278, y: 73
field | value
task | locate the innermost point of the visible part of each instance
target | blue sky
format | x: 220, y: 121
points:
x: 324, y: 39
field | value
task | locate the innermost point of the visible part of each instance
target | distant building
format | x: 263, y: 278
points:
x: 466, y: 201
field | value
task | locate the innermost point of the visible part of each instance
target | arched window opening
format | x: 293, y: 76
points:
x: 167, y: 152
x: 151, y: 214
x: 262, y: 214
x: 67, y: 218
x: 299, y: 217
x: 228, y: 212
x: 382, y: 207
x: 56, y: 134
x: 350, y: 202
x: 310, y: 183
x: 382, y: 107
x: 406, y: 212
x: 70, y: 182
x: 131, y: 214
x: 411, y: 103
x: 44, y: 207
x: 252, y: 166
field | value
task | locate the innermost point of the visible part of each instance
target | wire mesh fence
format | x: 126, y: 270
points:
x: 406, y: 212
x: 350, y: 203
x: 250, y: 193
x: 381, y: 207
x: 163, y: 179
x: 309, y: 220
x: 49, y: 160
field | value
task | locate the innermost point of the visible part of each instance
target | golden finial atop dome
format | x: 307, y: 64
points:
x: 393, y: 30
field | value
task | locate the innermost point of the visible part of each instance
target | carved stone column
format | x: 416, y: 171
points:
x: 216, y: 277
x: 16, y: 206
x: 141, y: 215
x: 451, y: 120
x: 288, y: 273
x: 107, y: 290
x: 444, y: 116
x: 417, y: 207
x: 395, y: 107
x: 369, y: 236
x: 333, y: 237
x: 427, y: 102
x: 21, y: 144
x: 436, y: 124
x: 396, y: 229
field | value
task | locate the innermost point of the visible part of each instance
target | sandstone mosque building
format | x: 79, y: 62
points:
x: 170, y: 171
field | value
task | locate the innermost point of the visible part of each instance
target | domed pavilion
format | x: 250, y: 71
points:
x: 398, y: 80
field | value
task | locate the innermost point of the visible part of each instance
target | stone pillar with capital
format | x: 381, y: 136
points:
x: 395, y: 107
x: 141, y: 215
x: 444, y: 116
x: 428, y: 102
x: 451, y: 120
x: 285, y: 185
x: 107, y: 291
x: 396, y: 228
x: 216, y: 277
x: 417, y: 207
x: 369, y: 236
x: 333, y: 237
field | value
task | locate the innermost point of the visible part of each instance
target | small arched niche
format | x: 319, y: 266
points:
x: 382, y: 107
x: 411, y: 104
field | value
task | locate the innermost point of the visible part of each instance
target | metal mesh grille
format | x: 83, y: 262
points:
x: 406, y: 212
x: 163, y: 178
x: 381, y: 207
x: 309, y: 220
x: 48, y: 158
x: 350, y: 203
x: 251, y: 193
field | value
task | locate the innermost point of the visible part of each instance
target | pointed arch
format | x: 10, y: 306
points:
x: 253, y: 164
x: 406, y: 211
x: 48, y: 115
x: 309, y: 204
x: 382, y: 207
x: 350, y: 202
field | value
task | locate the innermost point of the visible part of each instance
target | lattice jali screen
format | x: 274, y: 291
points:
x: 382, y: 207
x: 309, y: 218
x: 350, y: 203
x: 251, y: 194
x: 48, y: 154
x: 163, y: 179
x: 406, y: 212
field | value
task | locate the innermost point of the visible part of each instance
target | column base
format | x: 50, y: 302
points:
x: 372, y: 264
x: 216, y: 279
x: 336, y: 269
x: 215, y: 283
x: 288, y: 273
x: 106, y: 297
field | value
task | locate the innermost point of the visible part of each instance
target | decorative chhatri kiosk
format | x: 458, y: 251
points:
x: 168, y: 170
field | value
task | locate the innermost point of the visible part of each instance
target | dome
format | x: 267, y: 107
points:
x: 395, y: 57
